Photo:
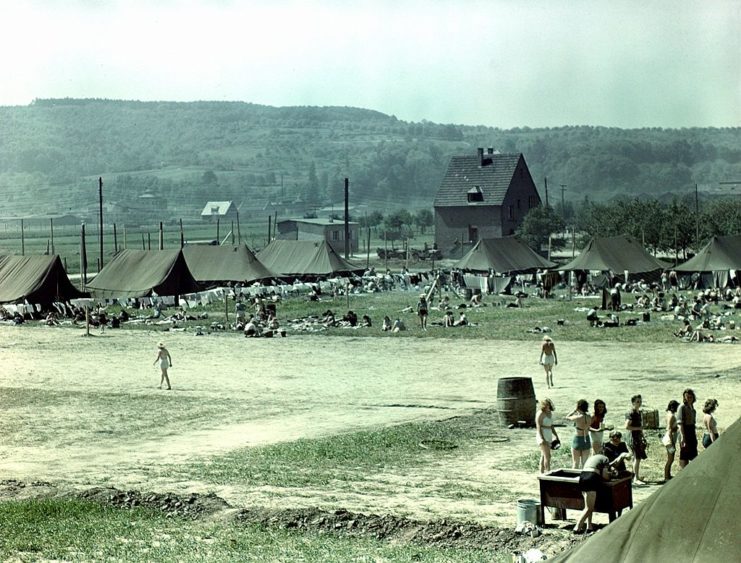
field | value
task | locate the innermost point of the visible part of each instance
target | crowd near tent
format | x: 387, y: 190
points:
x: 305, y: 258
x: 692, y: 518
x: 617, y: 255
x: 36, y: 279
x: 142, y: 273
x: 503, y: 255
x: 213, y: 264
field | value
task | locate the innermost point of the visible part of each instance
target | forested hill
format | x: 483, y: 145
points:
x: 52, y: 151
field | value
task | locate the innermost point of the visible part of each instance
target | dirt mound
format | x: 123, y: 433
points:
x: 443, y: 533
x: 192, y: 506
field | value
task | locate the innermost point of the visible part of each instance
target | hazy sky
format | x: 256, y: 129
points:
x: 503, y: 63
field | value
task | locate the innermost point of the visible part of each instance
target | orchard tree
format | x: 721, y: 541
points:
x: 423, y: 219
x: 538, y: 225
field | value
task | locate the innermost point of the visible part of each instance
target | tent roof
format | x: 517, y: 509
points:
x: 615, y: 254
x: 37, y: 279
x: 502, y: 255
x: 139, y: 273
x: 304, y: 258
x: 721, y: 253
x: 224, y: 263
x: 694, y: 517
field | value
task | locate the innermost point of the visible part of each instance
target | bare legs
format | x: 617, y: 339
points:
x: 636, y: 468
x: 548, y: 375
x: 545, y: 457
x: 578, y: 457
x: 590, y: 497
x: 165, y: 379
x: 668, y: 466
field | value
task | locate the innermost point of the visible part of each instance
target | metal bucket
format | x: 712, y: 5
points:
x: 527, y: 511
x: 516, y: 401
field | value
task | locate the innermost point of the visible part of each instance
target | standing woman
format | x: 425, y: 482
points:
x: 581, y: 447
x: 686, y: 417
x: 422, y: 311
x: 670, y: 438
x: 638, y: 444
x: 709, y: 422
x: 165, y: 360
x: 548, y: 358
x: 545, y: 433
x: 597, y: 426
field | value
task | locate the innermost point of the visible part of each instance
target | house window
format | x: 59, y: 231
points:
x: 335, y: 235
x: 530, y: 202
x: 511, y: 209
x: 475, y: 194
x: 473, y: 234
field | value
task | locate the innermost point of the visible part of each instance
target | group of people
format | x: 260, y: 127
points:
x: 599, y: 460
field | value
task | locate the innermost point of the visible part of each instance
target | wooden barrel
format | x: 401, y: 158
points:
x: 516, y: 401
x: 650, y: 419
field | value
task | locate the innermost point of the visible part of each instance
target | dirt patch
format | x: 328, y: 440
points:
x: 387, y: 527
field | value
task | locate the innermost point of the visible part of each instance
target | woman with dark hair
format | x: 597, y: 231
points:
x: 686, y: 417
x: 709, y: 422
x: 597, y: 426
x: 581, y: 447
x: 670, y: 438
x: 638, y: 444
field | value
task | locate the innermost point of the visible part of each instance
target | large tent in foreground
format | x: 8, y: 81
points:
x: 503, y: 255
x: 142, y: 273
x: 617, y: 255
x: 36, y: 279
x: 720, y: 254
x: 213, y: 264
x: 692, y: 518
x: 304, y: 258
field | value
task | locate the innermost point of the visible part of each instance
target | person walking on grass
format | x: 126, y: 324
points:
x: 638, y: 444
x: 165, y: 360
x: 422, y: 311
x: 548, y: 359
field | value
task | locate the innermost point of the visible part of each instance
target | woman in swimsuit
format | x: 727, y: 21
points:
x: 597, y: 426
x: 709, y: 422
x: 581, y: 447
x: 671, y: 432
x: 545, y: 433
x: 165, y: 360
x: 548, y: 358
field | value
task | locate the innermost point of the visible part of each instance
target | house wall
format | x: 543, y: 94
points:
x: 453, y: 224
x: 334, y: 234
x: 521, y: 197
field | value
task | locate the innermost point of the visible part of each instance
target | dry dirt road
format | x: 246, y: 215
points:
x: 308, y: 386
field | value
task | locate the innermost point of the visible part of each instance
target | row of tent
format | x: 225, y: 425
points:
x: 139, y: 273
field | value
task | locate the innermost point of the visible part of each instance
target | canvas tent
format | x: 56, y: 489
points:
x: 615, y: 254
x: 720, y: 254
x: 213, y: 264
x: 304, y: 258
x: 503, y: 255
x: 141, y: 273
x: 692, y: 518
x: 36, y: 279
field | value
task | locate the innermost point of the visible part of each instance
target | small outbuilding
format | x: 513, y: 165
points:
x: 221, y: 210
x: 329, y: 230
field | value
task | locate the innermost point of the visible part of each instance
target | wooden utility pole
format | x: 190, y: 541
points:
x: 347, y: 218
x: 697, y: 219
x: 270, y: 228
x: 51, y: 228
x: 83, y: 258
x: 100, y: 205
x: 115, y: 239
x: 239, y: 232
x: 23, y: 239
x: 182, y: 236
x: 162, y: 237
x: 546, y: 191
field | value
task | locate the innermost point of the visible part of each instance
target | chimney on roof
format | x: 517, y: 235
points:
x: 490, y: 150
x: 480, y: 150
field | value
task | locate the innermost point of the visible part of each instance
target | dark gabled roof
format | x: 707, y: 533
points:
x: 503, y: 255
x: 465, y: 172
x: 210, y: 264
x: 37, y: 279
x: 304, y: 258
x: 140, y: 273
x: 615, y: 254
x: 721, y: 253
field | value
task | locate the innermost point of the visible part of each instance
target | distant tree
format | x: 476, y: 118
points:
x: 423, y: 219
x: 537, y: 227
x: 209, y: 178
